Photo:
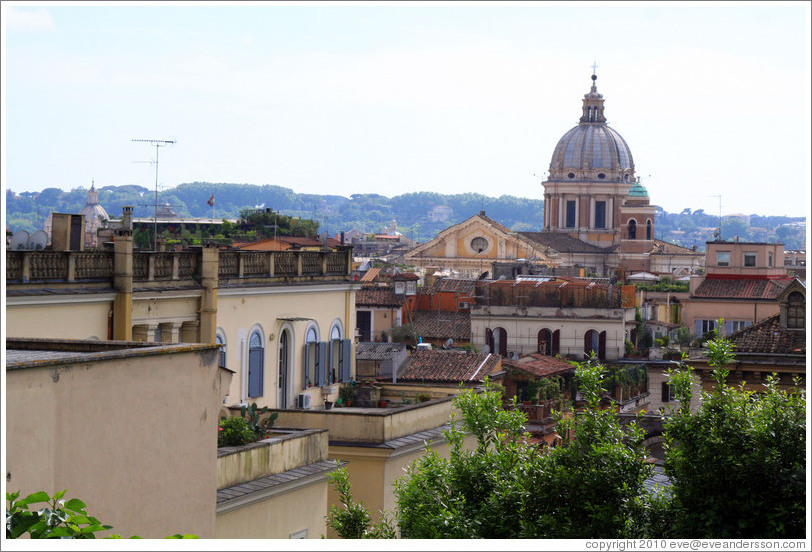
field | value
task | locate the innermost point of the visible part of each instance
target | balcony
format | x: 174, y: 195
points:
x: 154, y: 269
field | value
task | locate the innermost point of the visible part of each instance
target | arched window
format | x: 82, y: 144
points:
x: 545, y: 342
x: 632, y: 229
x: 284, y: 369
x: 499, y: 342
x: 595, y: 342
x: 796, y: 310
x: 333, y: 373
x: 311, y: 357
x: 648, y: 229
x: 256, y: 364
x: 221, y: 341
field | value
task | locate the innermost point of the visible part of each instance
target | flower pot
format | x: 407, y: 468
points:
x: 383, y: 403
x: 328, y: 405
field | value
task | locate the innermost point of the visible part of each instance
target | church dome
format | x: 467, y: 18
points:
x: 638, y: 190
x: 592, y: 151
x: 95, y: 215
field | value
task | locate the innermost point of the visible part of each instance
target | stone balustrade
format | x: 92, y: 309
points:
x: 71, y: 266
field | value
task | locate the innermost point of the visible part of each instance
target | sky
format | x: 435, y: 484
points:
x: 391, y: 98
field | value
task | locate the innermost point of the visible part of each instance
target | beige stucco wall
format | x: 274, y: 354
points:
x: 239, y: 311
x: 522, y: 332
x: 656, y: 377
x: 133, y: 437
x: 362, y: 425
x: 279, y: 517
x: 58, y: 319
x: 752, y: 311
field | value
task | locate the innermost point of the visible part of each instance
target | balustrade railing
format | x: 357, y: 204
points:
x: 311, y: 262
x: 49, y: 265
x: 92, y: 264
x: 229, y: 264
x: 255, y: 263
x: 187, y: 264
x: 177, y: 265
x: 14, y: 266
x: 285, y: 264
x: 140, y: 267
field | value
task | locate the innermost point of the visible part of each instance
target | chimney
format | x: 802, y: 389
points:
x: 482, y: 213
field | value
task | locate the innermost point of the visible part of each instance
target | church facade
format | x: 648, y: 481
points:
x: 597, y: 215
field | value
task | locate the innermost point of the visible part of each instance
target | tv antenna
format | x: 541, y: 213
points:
x: 720, y: 216
x: 158, y: 144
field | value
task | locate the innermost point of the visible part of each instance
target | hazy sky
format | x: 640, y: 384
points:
x: 391, y: 98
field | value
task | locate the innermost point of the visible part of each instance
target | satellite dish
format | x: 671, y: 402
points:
x: 448, y: 344
x: 19, y: 240
x: 39, y: 240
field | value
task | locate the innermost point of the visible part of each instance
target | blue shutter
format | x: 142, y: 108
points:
x: 255, y: 370
x: 699, y: 328
x: 728, y: 327
x: 308, y: 368
x: 321, y: 364
x: 346, y: 360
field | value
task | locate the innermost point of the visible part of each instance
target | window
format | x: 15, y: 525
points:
x: 571, y: 175
x: 400, y: 288
x: 221, y: 340
x: 704, y: 326
x: 571, y: 214
x: 595, y: 342
x: 736, y: 325
x: 750, y: 259
x: 545, y: 342
x: 667, y: 392
x: 770, y: 259
x: 600, y: 214
x: 601, y: 176
x: 796, y: 310
x: 282, y: 378
x: 256, y: 360
x: 411, y: 288
x: 648, y: 229
x: 632, y: 229
x: 479, y: 244
x: 335, y: 355
x: 311, y: 357
x: 723, y: 258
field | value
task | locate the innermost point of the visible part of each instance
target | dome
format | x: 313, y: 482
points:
x: 638, y: 190
x: 94, y: 215
x: 592, y: 151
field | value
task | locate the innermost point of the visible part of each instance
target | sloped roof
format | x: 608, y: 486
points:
x: 378, y: 297
x: 449, y: 366
x: 741, y: 288
x: 565, y: 243
x: 768, y: 336
x: 672, y: 248
x: 539, y: 365
x: 370, y: 275
x: 455, y: 285
x: 378, y: 351
x: 443, y: 324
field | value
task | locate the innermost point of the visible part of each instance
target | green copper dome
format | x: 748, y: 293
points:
x: 638, y: 190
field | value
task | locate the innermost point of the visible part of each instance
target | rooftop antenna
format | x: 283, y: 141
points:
x: 720, y: 216
x: 157, y: 144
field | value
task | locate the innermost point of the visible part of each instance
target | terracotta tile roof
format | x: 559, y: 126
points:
x: 455, y: 285
x: 768, y: 336
x: 539, y: 365
x: 741, y: 288
x: 449, y: 366
x: 377, y: 297
x: 443, y: 325
x: 370, y: 275
x: 377, y: 351
x: 565, y: 243
x: 672, y: 248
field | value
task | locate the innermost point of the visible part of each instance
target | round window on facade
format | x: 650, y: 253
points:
x: 601, y: 176
x: 479, y: 244
x: 571, y: 175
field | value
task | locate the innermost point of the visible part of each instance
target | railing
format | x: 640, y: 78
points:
x: 49, y: 265
x: 547, y: 295
x: 69, y: 266
x: 93, y: 264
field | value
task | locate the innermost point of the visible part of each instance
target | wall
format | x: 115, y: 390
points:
x: 58, y: 318
x: 270, y: 309
x: 708, y: 309
x: 522, y: 331
x: 132, y: 435
x: 279, y: 517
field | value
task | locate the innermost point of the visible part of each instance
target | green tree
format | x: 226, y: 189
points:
x: 739, y: 463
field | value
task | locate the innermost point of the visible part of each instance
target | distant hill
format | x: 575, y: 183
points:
x: 419, y: 216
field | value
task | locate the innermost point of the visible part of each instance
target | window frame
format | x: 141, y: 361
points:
x: 719, y: 255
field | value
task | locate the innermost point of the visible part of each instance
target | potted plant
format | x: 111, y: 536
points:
x: 328, y: 404
x: 346, y: 394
